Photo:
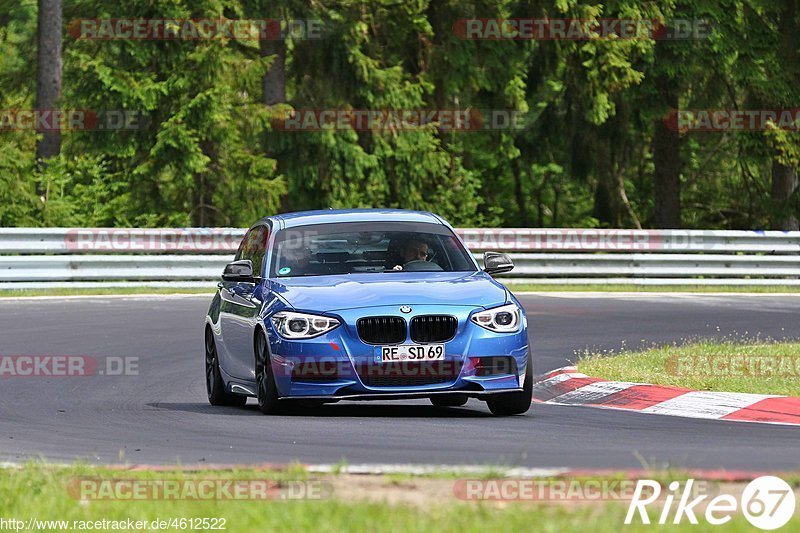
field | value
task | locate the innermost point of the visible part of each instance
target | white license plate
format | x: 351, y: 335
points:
x: 412, y: 352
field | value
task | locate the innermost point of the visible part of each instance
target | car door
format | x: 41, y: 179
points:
x: 240, y: 306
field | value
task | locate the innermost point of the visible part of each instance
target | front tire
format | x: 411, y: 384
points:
x: 266, y: 390
x: 215, y: 387
x: 514, y: 403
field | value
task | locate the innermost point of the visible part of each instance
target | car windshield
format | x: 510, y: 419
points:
x: 359, y: 247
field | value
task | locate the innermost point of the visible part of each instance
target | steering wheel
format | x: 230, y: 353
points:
x: 420, y: 265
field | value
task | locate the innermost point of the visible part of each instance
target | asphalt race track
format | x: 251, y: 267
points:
x: 161, y: 415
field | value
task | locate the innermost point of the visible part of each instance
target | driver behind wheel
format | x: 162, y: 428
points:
x: 413, y: 250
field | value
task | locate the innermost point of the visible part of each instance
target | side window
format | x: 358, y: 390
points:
x: 254, y: 247
x: 245, y: 240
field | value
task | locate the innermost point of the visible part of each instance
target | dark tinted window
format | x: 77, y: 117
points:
x: 358, y: 247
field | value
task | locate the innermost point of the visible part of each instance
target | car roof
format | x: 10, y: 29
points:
x: 327, y: 216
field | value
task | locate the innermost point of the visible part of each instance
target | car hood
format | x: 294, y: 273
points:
x: 332, y: 293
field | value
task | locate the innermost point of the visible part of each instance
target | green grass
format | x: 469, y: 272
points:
x: 532, y: 287
x: 17, y: 293
x: 730, y: 365
x: 37, y: 491
x: 527, y: 287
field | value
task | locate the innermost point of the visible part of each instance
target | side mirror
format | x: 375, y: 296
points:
x: 241, y: 270
x: 497, y: 263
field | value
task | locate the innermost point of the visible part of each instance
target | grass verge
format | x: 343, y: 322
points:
x: 355, y: 503
x: 781, y: 289
x: 729, y: 366
x: 100, y: 291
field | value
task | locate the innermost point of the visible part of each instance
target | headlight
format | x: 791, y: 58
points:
x: 504, y: 319
x: 302, y: 325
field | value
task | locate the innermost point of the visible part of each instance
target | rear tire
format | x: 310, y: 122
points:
x: 266, y: 390
x: 514, y: 403
x: 449, y: 400
x: 215, y: 387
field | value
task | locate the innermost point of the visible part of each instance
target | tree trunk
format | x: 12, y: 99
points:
x: 274, y: 81
x: 666, y: 149
x: 203, y: 213
x: 48, y: 73
x: 784, y: 185
x: 666, y: 158
x: 605, y: 208
x: 784, y: 179
x: 274, y: 92
x: 519, y: 194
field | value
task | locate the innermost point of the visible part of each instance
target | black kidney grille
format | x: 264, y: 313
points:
x: 409, y: 373
x: 433, y: 328
x: 382, y: 329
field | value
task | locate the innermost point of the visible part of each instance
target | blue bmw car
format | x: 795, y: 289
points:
x: 366, y: 304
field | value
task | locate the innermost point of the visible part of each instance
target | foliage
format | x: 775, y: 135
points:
x: 206, y: 151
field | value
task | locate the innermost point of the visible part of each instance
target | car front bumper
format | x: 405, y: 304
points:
x: 332, y: 366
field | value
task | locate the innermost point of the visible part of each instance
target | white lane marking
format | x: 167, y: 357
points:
x: 648, y: 294
x: 562, y: 370
x: 366, y: 469
x: 704, y: 404
x: 435, y: 469
x: 559, y: 378
x: 107, y: 296
x: 592, y: 392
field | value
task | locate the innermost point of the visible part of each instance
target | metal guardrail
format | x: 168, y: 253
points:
x: 221, y: 240
x: 194, y: 257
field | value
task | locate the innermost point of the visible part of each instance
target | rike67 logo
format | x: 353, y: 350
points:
x: 767, y: 502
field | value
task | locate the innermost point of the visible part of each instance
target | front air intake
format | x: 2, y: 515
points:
x: 409, y: 373
x: 496, y: 366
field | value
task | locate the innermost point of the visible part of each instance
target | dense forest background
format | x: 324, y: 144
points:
x: 596, y: 150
